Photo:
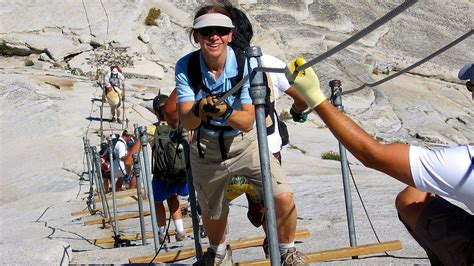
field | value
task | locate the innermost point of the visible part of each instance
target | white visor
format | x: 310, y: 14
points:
x: 212, y: 20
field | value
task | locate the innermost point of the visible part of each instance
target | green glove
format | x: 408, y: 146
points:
x: 306, y: 83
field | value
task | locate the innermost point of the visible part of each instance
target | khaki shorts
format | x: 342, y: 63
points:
x: 212, y: 176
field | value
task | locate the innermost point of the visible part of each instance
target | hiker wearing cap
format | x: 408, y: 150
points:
x: 444, y: 230
x: 224, y: 143
x: 114, y: 92
x: 169, y: 172
x: 166, y: 186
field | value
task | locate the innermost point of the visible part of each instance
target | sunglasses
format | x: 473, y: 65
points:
x: 208, y: 31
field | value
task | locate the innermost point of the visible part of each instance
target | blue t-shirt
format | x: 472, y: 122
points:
x: 223, y: 84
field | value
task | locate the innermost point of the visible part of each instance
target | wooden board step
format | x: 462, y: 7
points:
x: 188, y: 253
x: 339, y: 253
x: 110, y: 240
x: 84, y: 212
x: 123, y: 217
x: 120, y: 195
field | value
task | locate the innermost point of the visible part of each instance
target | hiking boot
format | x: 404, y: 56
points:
x: 292, y: 257
x: 112, y: 119
x: 211, y: 258
x: 180, y: 236
x: 119, y: 120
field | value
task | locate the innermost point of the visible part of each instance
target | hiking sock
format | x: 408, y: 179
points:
x: 162, y: 230
x: 179, y: 225
x: 285, y: 246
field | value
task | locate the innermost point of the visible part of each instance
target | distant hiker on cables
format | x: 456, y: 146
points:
x: 122, y: 168
x: 225, y: 144
x: 115, y: 91
x: 444, y: 230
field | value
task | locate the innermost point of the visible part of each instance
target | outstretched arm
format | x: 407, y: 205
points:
x: 171, y: 113
x: 392, y: 159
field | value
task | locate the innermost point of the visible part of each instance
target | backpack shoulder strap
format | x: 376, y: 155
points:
x: 240, y: 58
x: 194, y: 73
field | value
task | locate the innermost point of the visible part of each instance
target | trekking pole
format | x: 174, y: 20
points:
x: 151, y: 199
x: 136, y: 133
x: 193, y: 203
x: 136, y: 173
x: 112, y: 180
x: 100, y: 183
x: 258, y: 93
x: 89, y: 173
x: 336, y: 100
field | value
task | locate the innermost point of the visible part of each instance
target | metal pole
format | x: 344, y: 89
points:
x: 89, y: 172
x: 141, y: 161
x: 151, y: 199
x: 96, y: 181
x: 336, y: 100
x: 95, y: 159
x: 112, y: 180
x: 136, y: 173
x: 102, y: 99
x: 123, y: 107
x: 258, y: 93
x: 192, y: 202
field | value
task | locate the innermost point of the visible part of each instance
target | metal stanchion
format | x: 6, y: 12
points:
x: 193, y: 203
x: 146, y: 168
x: 102, y: 100
x: 100, y: 183
x: 112, y: 180
x: 336, y: 100
x: 258, y: 93
x: 91, y: 200
x: 136, y: 173
x: 141, y: 161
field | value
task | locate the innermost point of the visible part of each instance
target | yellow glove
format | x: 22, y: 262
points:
x: 306, y: 83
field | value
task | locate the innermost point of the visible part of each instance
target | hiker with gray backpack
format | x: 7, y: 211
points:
x: 168, y: 167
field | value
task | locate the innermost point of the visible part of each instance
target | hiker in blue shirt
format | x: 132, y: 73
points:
x: 225, y: 143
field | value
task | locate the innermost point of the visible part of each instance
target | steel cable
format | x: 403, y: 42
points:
x: 405, y: 70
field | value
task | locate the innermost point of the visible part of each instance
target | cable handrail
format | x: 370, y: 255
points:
x: 405, y: 70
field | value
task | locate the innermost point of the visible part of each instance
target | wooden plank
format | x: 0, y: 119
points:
x: 339, y: 253
x: 124, y: 216
x: 188, y: 253
x: 121, y: 194
x: 111, y: 240
x: 84, y: 212
x: 120, y: 218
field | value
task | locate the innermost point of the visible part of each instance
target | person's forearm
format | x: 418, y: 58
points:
x: 187, y: 117
x: 171, y: 114
x: 392, y: 159
x: 299, y: 103
x: 242, y: 120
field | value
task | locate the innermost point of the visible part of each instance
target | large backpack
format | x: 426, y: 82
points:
x: 168, y: 160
